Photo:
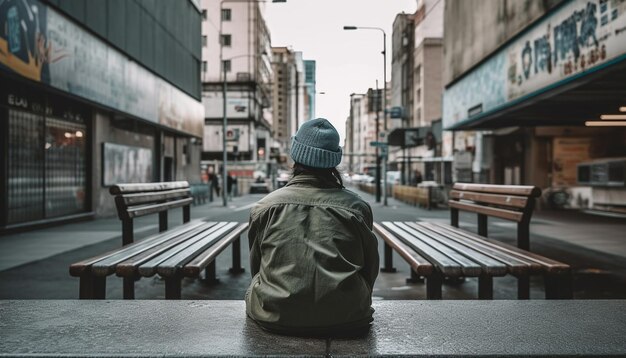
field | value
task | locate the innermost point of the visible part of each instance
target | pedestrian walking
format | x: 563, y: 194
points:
x: 229, y: 184
x: 215, y: 183
x: 313, y: 256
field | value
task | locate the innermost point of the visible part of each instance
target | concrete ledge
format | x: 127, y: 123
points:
x: 218, y: 328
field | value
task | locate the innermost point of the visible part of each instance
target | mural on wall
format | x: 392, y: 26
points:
x: 125, y: 164
x: 577, y: 37
x: 41, y: 44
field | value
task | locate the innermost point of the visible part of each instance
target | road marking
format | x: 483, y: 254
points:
x: 245, y: 207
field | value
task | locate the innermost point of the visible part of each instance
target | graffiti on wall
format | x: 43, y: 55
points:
x: 577, y: 37
x: 39, y: 43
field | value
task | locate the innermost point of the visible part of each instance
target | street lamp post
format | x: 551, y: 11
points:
x: 384, y: 52
x: 224, y: 94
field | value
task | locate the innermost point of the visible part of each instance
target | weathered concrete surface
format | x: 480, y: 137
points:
x: 218, y: 328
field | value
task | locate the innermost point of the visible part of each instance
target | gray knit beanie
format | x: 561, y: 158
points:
x: 316, y: 144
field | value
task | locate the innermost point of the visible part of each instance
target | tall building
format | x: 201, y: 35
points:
x: 417, y: 53
x: 244, y: 49
x: 311, y: 91
x: 94, y: 93
x: 539, y: 82
x: 290, y: 98
x: 365, y: 115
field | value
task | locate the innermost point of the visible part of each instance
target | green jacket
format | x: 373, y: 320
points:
x: 314, y: 259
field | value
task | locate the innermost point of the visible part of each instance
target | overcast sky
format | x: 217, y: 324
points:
x: 347, y: 61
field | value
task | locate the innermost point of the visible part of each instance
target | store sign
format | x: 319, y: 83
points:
x: 577, y: 37
x: 48, y: 47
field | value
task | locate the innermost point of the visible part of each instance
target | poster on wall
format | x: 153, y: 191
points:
x: 125, y: 164
x: 566, y: 154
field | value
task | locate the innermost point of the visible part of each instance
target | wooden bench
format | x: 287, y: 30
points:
x: 437, y: 250
x: 184, y: 251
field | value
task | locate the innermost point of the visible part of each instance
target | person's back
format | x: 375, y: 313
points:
x: 313, y: 256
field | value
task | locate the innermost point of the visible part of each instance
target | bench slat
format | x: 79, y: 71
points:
x: 468, y: 266
x: 497, y: 199
x: 128, y: 266
x: 126, y: 188
x: 490, y: 266
x: 515, y: 266
x: 444, y: 263
x: 172, y: 266
x: 149, y: 268
x: 193, y: 268
x: 142, y: 210
x: 525, y: 190
x: 500, y: 213
x: 549, y: 265
x: 76, y: 269
x: 420, y: 265
x: 141, y: 198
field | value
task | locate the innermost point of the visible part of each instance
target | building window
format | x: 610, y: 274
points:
x: 204, y: 15
x: 226, y: 65
x: 203, y: 41
x: 226, y: 40
x: 226, y: 14
x: 204, y: 66
x: 419, y: 96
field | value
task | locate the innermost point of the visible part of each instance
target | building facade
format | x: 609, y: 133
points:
x: 417, y: 54
x: 284, y: 99
x: 94, y: 93
x: 236, y: 39
x: 311, y: 89
x: 528, y: 86
x: 361, y: 128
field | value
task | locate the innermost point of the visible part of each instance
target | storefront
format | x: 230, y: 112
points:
x: 77, y: 116
x: 47, y: 142
x: 535, y: 107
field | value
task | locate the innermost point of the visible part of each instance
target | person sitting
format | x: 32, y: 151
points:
x: 313, y: 256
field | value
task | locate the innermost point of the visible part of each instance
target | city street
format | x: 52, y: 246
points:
x: 35, y: 263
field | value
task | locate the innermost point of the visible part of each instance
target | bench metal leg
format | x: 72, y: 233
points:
x: 173, y: 288
x: 388, y: 260
x: 558, y: 286
x: 415, y: 278
x: 127, y: 232
x: 92, y: 287
x: 523, y: 287
x: 163, y: 221
x: 482, y: 225
x: 209, y: 274
x: 236, y: 268
x: 187, y: 213
x: 485, y: 287
x: 433, y: 286
x: 129, y: 288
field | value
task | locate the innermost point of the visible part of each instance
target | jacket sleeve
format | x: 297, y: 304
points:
x: 254, y: 237
x: 370, y: 250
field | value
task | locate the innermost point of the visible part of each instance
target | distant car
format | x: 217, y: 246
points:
x: 362, y: 178
x: 394, y: 177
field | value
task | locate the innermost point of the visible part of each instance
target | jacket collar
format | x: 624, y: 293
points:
x: 310, y: 180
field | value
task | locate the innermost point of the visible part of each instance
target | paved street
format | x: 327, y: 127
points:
x: 35, y: 264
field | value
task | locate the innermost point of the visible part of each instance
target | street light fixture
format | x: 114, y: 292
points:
x: 224, y: 90
x: 384, y: 52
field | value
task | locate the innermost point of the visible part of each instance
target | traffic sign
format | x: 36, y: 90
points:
x: 378, y: 144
